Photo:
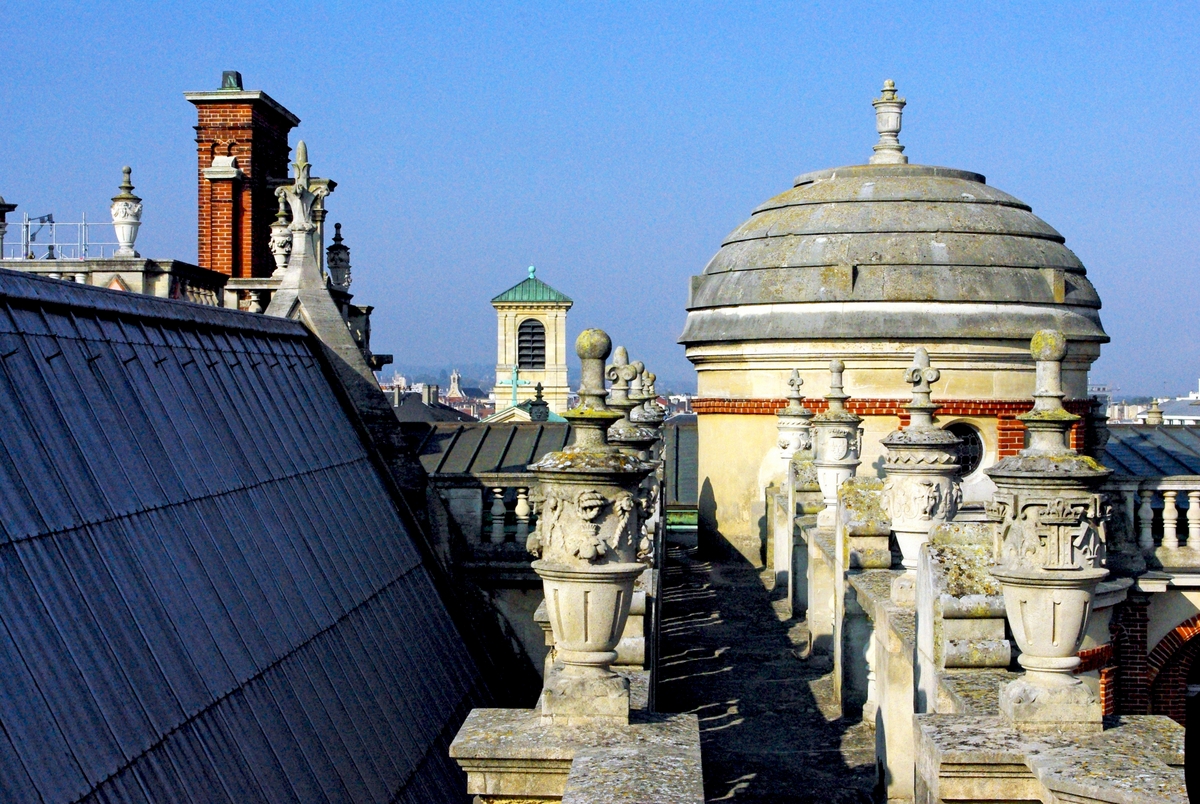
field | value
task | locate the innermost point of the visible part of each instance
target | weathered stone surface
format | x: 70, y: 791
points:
x: 1136, y: 760
x: 510, y: 753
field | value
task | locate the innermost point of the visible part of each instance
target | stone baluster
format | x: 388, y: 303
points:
x: 1146, y: 520
x: 522, y: 511
x: 1170, y: 520
x: 498, y: 512
x: 1193, y: 520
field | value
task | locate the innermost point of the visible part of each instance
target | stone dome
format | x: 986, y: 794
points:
x: 895, y: 252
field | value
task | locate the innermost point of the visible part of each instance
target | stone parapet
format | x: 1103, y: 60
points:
x: 969, y: 758
x: 510, y: 756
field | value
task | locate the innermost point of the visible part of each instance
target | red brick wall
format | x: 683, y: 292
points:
x: 1128, y: 628
x: 1100, y: 658
x: 1010, y: 432
x: 234, y: 216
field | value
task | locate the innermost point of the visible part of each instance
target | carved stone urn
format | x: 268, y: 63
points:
x: 794, y: 422
x: 126, y: 212
x: 1051, y: 533
x: 838, y: 444
x: 586, y: 542
x: 921, y: 489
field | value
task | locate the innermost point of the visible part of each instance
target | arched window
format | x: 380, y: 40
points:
x: 531, y: 344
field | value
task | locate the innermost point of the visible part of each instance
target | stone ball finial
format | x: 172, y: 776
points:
x: 836, y: 367
x: 1048, y: 344
x: 593, y: 344
x: 532, y: 271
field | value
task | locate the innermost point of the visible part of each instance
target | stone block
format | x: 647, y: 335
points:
x: 509, y: 755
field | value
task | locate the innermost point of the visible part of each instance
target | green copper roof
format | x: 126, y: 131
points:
x: 531, y: 289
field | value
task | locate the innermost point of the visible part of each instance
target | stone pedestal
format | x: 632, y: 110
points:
x: 1050, y: 525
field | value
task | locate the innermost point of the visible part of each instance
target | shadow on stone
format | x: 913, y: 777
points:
x: 730, y: 659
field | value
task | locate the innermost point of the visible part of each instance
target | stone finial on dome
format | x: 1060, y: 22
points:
x: 888, y: 110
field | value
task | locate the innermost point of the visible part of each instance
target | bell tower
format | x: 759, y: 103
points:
x: 531, y: 344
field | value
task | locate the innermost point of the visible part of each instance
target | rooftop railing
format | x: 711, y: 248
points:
x: 43, y: 238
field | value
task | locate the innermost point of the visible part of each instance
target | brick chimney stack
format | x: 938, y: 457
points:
x: 242, y: 150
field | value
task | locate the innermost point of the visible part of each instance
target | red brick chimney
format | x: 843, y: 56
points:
x: 242, y: 150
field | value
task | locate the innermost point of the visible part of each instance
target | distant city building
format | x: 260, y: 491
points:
x: 1180, y: 410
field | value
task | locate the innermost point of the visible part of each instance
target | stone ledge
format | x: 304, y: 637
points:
x: 508, y: 753
x: 1136, y: 760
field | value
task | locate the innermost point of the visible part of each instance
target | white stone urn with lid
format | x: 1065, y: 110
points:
x: 126, y: 212
x: 1051, y: 533
x: 586, y: 542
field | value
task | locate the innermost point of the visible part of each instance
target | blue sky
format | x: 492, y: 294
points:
x: 615, y: 145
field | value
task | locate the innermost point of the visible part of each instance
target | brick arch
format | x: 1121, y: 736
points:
x: 1169, y: 665
x: 1168, y: 645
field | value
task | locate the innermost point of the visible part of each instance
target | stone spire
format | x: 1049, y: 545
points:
x: 337, y: 260
x: 888, y: 110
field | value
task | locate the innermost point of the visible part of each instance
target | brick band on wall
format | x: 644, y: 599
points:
x: 1010, y: 433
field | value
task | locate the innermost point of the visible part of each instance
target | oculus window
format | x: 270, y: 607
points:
x: 970, y: 452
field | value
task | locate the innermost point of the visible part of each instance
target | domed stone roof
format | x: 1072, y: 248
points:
x: 896, y: 252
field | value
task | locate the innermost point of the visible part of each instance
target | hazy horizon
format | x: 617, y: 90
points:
x: 615, y: 146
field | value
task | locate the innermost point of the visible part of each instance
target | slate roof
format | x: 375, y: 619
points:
x: 412, y: 409
x: 207, y: 592
x: 449, y: 449
x: 1139, y: 450
x: 531, y: 289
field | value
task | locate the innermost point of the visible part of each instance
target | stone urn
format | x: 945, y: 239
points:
x: 794, y: 422
x: 838, y: 443
x: 126, y: 212
x: 625, y: 397
x: 1051, y: 533
x: 921, y: 488
x: 586, y: 542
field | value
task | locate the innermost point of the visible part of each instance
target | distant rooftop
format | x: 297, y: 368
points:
x: 531, y: 289
x: 1139, y: 450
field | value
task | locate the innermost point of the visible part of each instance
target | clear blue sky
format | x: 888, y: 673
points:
x: 614, y: 146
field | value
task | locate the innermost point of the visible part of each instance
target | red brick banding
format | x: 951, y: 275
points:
x: 1010, y: 433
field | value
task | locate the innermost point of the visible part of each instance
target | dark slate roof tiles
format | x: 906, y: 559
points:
x: 1139, y: 450
x: 206, y: 591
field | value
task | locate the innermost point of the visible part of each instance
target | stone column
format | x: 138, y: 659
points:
x: 1050, y: 524
x: 922, y: 486
x: 126, y: 216
x: 838, y: 444
x: 586, y: 542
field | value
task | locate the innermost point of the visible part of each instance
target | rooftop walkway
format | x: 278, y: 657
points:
x: 728, y: 657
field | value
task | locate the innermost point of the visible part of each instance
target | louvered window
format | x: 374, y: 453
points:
x: 531, y: 345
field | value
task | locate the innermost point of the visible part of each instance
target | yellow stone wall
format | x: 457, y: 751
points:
x: 738, y: 452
